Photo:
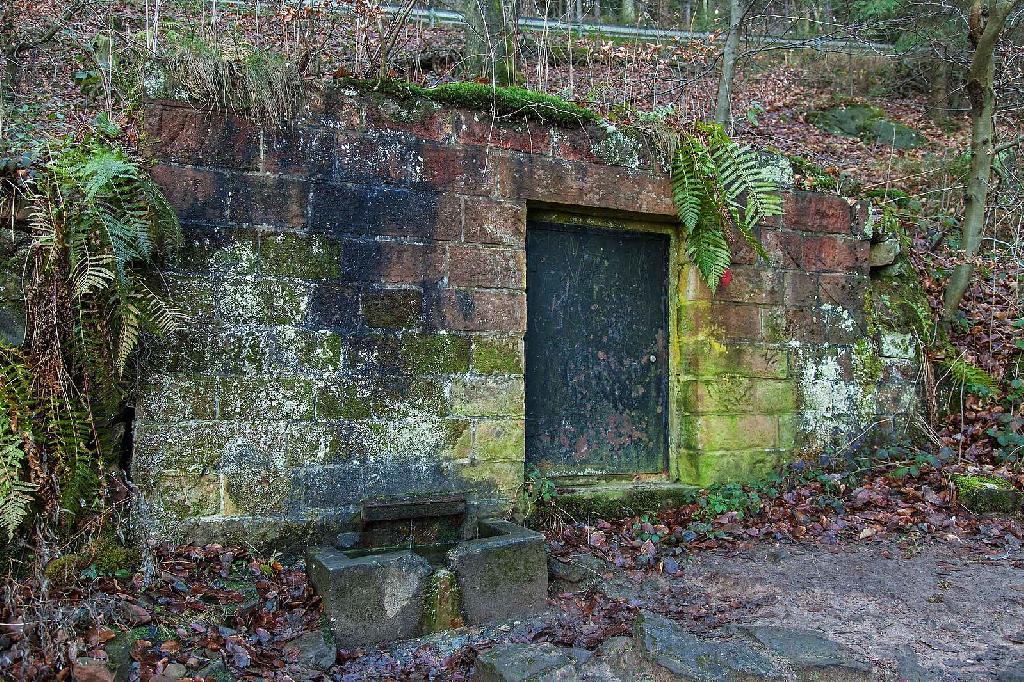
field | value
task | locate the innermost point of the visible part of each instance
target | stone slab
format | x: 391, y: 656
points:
x: 689, y: 657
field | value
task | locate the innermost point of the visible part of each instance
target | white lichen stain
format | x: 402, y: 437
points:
x: 829, y: 401
x: 836, y: 316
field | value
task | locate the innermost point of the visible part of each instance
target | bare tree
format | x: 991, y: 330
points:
x: 738, y: 10
x: 987, y: 22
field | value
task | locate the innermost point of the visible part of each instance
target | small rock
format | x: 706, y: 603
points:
x: 135, y: 614
x: 217, y: 671
x: 175, y: 671
x: 313, y: 650
x: 683, y: 654
x: 583, y: 569
x: 985, y: 494
x: 909, y: 669
x: 522, y: 662
x: 884, y: 253
x: 812, y: 655
x: 92, y: 670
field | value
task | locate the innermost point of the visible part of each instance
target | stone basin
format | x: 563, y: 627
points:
x: 493, y: 571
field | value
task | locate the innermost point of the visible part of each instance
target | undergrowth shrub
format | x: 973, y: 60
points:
x: 96, y: 222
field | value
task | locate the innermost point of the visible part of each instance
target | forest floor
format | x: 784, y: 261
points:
x: 913, y: 609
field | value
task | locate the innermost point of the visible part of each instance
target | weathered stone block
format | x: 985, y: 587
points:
x: 497, y: 355
x: 179, y: 398
x: 486, y: 396
x: 512, y: 662
x: 295, y: 149
x: 845, y: 290
x: 723, y: 320
x: 479, y: 129
x: 494, y: 222
x: 501, y: 576
x: 379, y: 354
x: 195, y: 297
x: 176, y: 496
x: 392, y: 308
x: 813, y: 212
x: 332, y: 307
x: 244, y: 300
x: 340, y: 400
x: 736, y: 432
x: 741, y: 395
x: 897, y: 345
x: 811, y: 655
x: 287, y: 254
x: 480, y: 311
x: 688, y: 657
x: 784, y: 248
x: 260, y: 398
x: 752, y: 285
x: 497, y: 479
x: 195, y: 195
x: 178, y: 132
x: 834, y: 254
x: 410, y: 263
x: 268, y: 200
x: 984, y: 494
x: 502, y: 440
x: 800, y: 289
x: 752, y: 360
x: 372, y: 599
x: 378, y: 210
x: 487, y: 268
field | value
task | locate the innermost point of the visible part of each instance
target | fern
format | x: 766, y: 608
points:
x: 98, y: 223
x: 17, y: 404
x: 717, y: 184
x: 972, y: 378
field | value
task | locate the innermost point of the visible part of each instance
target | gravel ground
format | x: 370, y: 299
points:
x: 949, y: 611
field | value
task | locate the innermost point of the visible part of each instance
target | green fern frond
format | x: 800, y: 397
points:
x: 971, y: 377
x: 717, y: 183
x: 708, y: 250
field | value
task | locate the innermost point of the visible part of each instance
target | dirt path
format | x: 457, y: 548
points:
x: 943, y: 610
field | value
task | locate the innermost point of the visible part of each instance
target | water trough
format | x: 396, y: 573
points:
x: 413, y: 567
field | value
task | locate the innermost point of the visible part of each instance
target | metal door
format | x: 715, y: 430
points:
x: 596, y: 349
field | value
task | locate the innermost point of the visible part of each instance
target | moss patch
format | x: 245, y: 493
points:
x: 986, y: 494
x: 511, y: 102
x: 497, y: 356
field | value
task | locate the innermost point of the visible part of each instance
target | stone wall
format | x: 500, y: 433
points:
x: 354, y: 294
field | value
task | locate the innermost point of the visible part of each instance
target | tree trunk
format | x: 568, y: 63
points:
x: 938, y: 89
x: 723, y: 110
x: 628, y: 11
x: 984, y: 35
x: 488, y: 41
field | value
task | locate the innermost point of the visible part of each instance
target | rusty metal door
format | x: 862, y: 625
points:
x: 596, y: 350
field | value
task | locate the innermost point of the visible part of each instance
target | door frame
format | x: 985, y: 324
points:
x: 675, y: 286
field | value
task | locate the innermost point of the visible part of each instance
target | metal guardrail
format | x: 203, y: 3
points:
x: 444, y: 16
x: 536, y: 24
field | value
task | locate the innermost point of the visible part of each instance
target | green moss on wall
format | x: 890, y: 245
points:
x: 509, y: 102
x: 497, y: 355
